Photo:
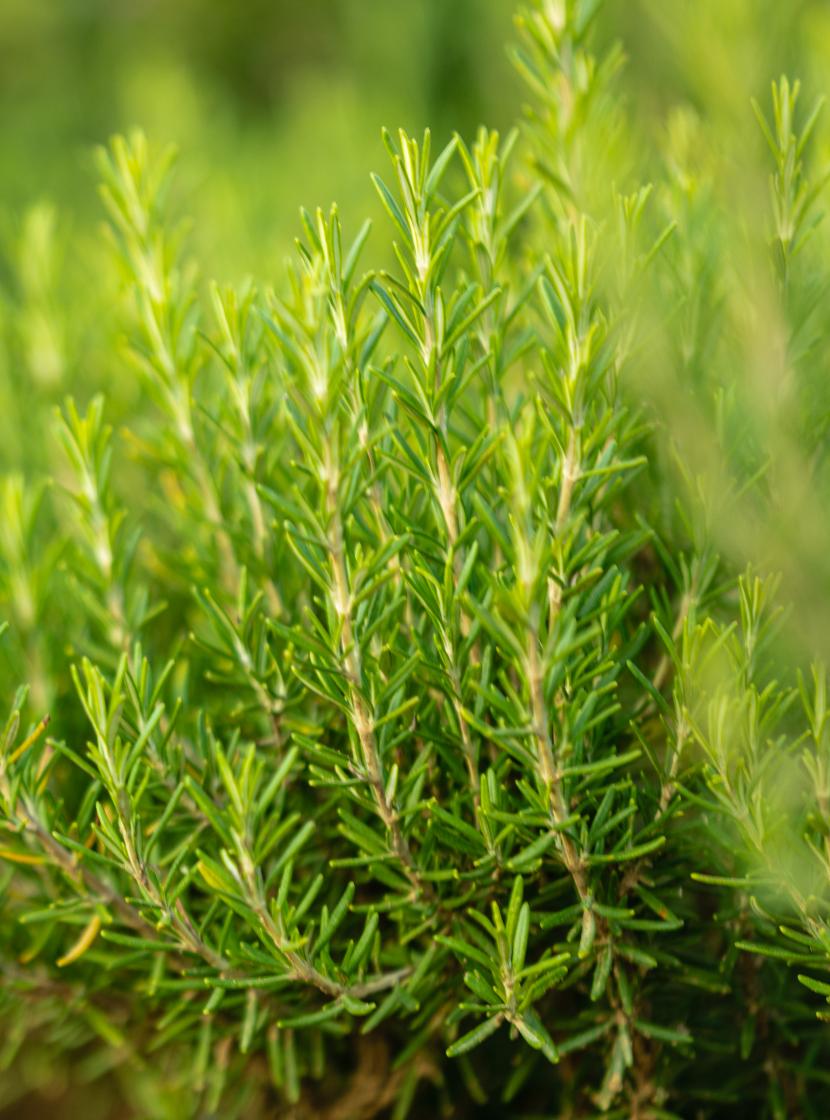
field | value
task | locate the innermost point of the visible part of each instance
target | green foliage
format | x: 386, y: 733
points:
x: 417, y: 736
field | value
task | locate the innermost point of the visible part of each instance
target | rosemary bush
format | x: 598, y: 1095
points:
x: 419, y: 739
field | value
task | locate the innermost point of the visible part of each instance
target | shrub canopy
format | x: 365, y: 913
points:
x: 419, y: 736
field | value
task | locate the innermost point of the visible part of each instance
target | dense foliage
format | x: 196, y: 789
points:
x: 419, y: 739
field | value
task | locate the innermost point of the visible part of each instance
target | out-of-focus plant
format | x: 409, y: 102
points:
x: 746, y: 693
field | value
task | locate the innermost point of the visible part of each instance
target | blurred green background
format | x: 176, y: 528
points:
x: 278, y: 103
x: 275, y: 103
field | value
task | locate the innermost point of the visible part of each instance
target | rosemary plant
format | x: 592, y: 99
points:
x: 416, y: 741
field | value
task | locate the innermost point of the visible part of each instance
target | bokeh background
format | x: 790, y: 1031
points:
x: 278, y: 103
x: 275, y: 103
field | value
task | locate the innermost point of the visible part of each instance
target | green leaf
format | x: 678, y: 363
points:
x: 532, y: 1030
x: 519, y: 948
x: 820, y: 987
x: 474, y: 1037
